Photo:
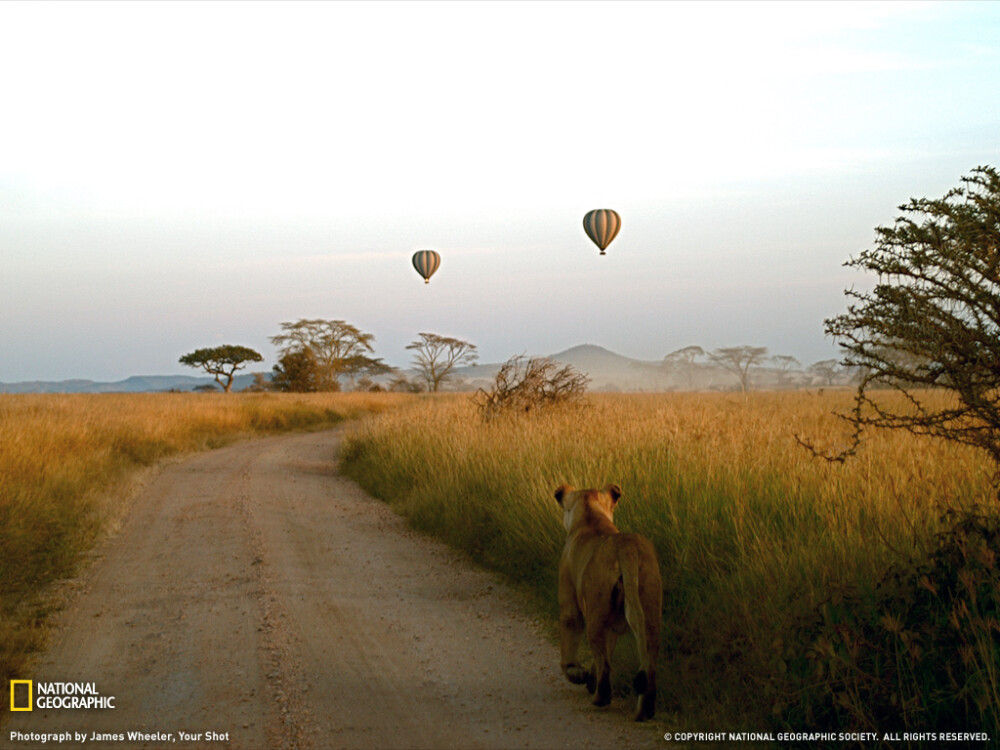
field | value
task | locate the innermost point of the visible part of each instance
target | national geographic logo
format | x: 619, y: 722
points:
x: 26, y: 696
x: 26, y: 693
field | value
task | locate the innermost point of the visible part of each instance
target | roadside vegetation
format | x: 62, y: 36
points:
x: 67, y: 464
x: 798, y: 593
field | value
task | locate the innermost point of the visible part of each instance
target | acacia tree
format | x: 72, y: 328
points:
x: 684, y: 361
x: 221, y: 361
x: 783, y: 365
x: 338, y: 348
x: 931, y: 324
x: 738, y: 360
x: 437, y: 356
x: 827, y: 369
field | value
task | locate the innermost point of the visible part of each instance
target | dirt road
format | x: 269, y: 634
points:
x: 255, y: 599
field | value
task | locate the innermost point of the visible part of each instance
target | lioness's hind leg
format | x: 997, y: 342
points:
x: 570, y: 634
x: 645, y: 680
x: 601, y: 668
x: 645, y: 688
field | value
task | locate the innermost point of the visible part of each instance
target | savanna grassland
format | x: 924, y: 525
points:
x: 799, y: 593
x: 68, y: 462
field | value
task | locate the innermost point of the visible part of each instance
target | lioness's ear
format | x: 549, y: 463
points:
x: 614, y: 490
x: 561, y: 490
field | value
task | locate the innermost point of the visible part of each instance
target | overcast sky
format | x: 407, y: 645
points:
x: 182, y: 175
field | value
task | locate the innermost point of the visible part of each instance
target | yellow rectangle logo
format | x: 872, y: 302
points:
x: 13, y: 700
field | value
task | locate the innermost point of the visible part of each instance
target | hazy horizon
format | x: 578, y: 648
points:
x: 582, y: 357
x: 176, y: 176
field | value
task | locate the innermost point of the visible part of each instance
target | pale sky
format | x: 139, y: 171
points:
x: 182, y: 175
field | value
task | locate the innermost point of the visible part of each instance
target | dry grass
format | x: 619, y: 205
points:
x: 753, y: 533
x: 65, y: 465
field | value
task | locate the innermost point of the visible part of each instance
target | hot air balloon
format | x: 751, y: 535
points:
x: 426, y: 262
x: 601, y: 225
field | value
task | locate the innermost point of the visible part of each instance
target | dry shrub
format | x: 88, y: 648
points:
x: 524, y: 385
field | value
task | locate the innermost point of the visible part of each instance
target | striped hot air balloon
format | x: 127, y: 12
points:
x: 601, y: 225
x: 426, y: 262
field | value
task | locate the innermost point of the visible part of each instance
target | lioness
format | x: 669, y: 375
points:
x: 607, y: 581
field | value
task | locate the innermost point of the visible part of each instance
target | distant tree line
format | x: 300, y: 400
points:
x: 744, y: 367
x: 317, y: 355
x: 333, y: 355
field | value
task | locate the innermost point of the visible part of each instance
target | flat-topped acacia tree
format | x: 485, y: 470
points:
x: 335, y: 349
x: 222, y: 362
x: 738, y: 360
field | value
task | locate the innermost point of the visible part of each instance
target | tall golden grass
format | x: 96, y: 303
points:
x: 753, y: 532
x: 65, y: 461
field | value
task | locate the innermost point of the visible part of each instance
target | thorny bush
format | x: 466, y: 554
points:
x: 920, y: 653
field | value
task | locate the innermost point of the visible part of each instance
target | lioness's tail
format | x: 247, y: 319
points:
x: 643, y: 615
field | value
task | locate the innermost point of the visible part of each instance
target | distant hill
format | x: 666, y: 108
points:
x: 607, y: 371
x: 134, y: 384
x: 606, y: 368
